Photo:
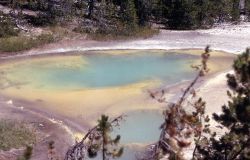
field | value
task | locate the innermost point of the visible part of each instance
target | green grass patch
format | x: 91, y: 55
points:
x: 15, y: 135
x: 21, y: 43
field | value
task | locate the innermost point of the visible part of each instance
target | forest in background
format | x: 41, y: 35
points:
x: 21, y: 21
x: 119, y: 17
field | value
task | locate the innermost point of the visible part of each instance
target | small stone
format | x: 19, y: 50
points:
x: 10, y: 102
x: 41, y: 125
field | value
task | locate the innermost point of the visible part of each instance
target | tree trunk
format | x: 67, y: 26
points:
x: 103, y: 146
x: 90, y: 7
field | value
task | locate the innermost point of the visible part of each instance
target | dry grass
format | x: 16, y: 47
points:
x: 56, y: 33
x: 140, y: 32
x: 21, y: 43
x: 15, y: 135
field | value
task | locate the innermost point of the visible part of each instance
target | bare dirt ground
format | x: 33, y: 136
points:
x: 46, y: 130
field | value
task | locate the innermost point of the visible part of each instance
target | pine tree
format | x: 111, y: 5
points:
x: 179, y: 14
x: 97, y: 140
x: 105, y: 127
x: 102, y: 141
x: 180, y: 126
x: 143, y: 9
x: 247, y: 9
x: 234, y: 144
x: 235, y: 12
x: 128, y: 15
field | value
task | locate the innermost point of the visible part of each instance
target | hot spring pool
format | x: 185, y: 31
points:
x: 82, y: 86
x: 99, y: 70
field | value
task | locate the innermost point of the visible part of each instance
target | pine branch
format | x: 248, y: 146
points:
x: 78, y: 150
x: 240, y: 151
x: 176, y: 117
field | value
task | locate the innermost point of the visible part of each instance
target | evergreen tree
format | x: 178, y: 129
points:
x: 143, y: 10
x: 205, y: 13
x: 90, y: 8
x: 174, y: 14
x: 180, y: 126
x: 247, y: 9
x: 190, y: 14
x: 128, y: 14
x: 102, y: 141
x: 157, y: 10
x: 220, y: 10
x: 234, y: 144
x: 97, y: 140
x: 235, y: 12
x: 108, y: 150
x: 178, y: 14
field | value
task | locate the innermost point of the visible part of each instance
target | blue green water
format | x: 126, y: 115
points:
x: 143, y: 119
x: 139, y: 129
x: 103, y: 70
x: 106, y: 70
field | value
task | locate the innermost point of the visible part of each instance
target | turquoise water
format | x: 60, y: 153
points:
x: 116, y: 70
x: 137, y: 123
x: 103, y: 70
x: 106, y: 70
x: 139, y: 129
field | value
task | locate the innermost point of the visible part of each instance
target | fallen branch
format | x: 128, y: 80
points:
x: 178, y: 124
